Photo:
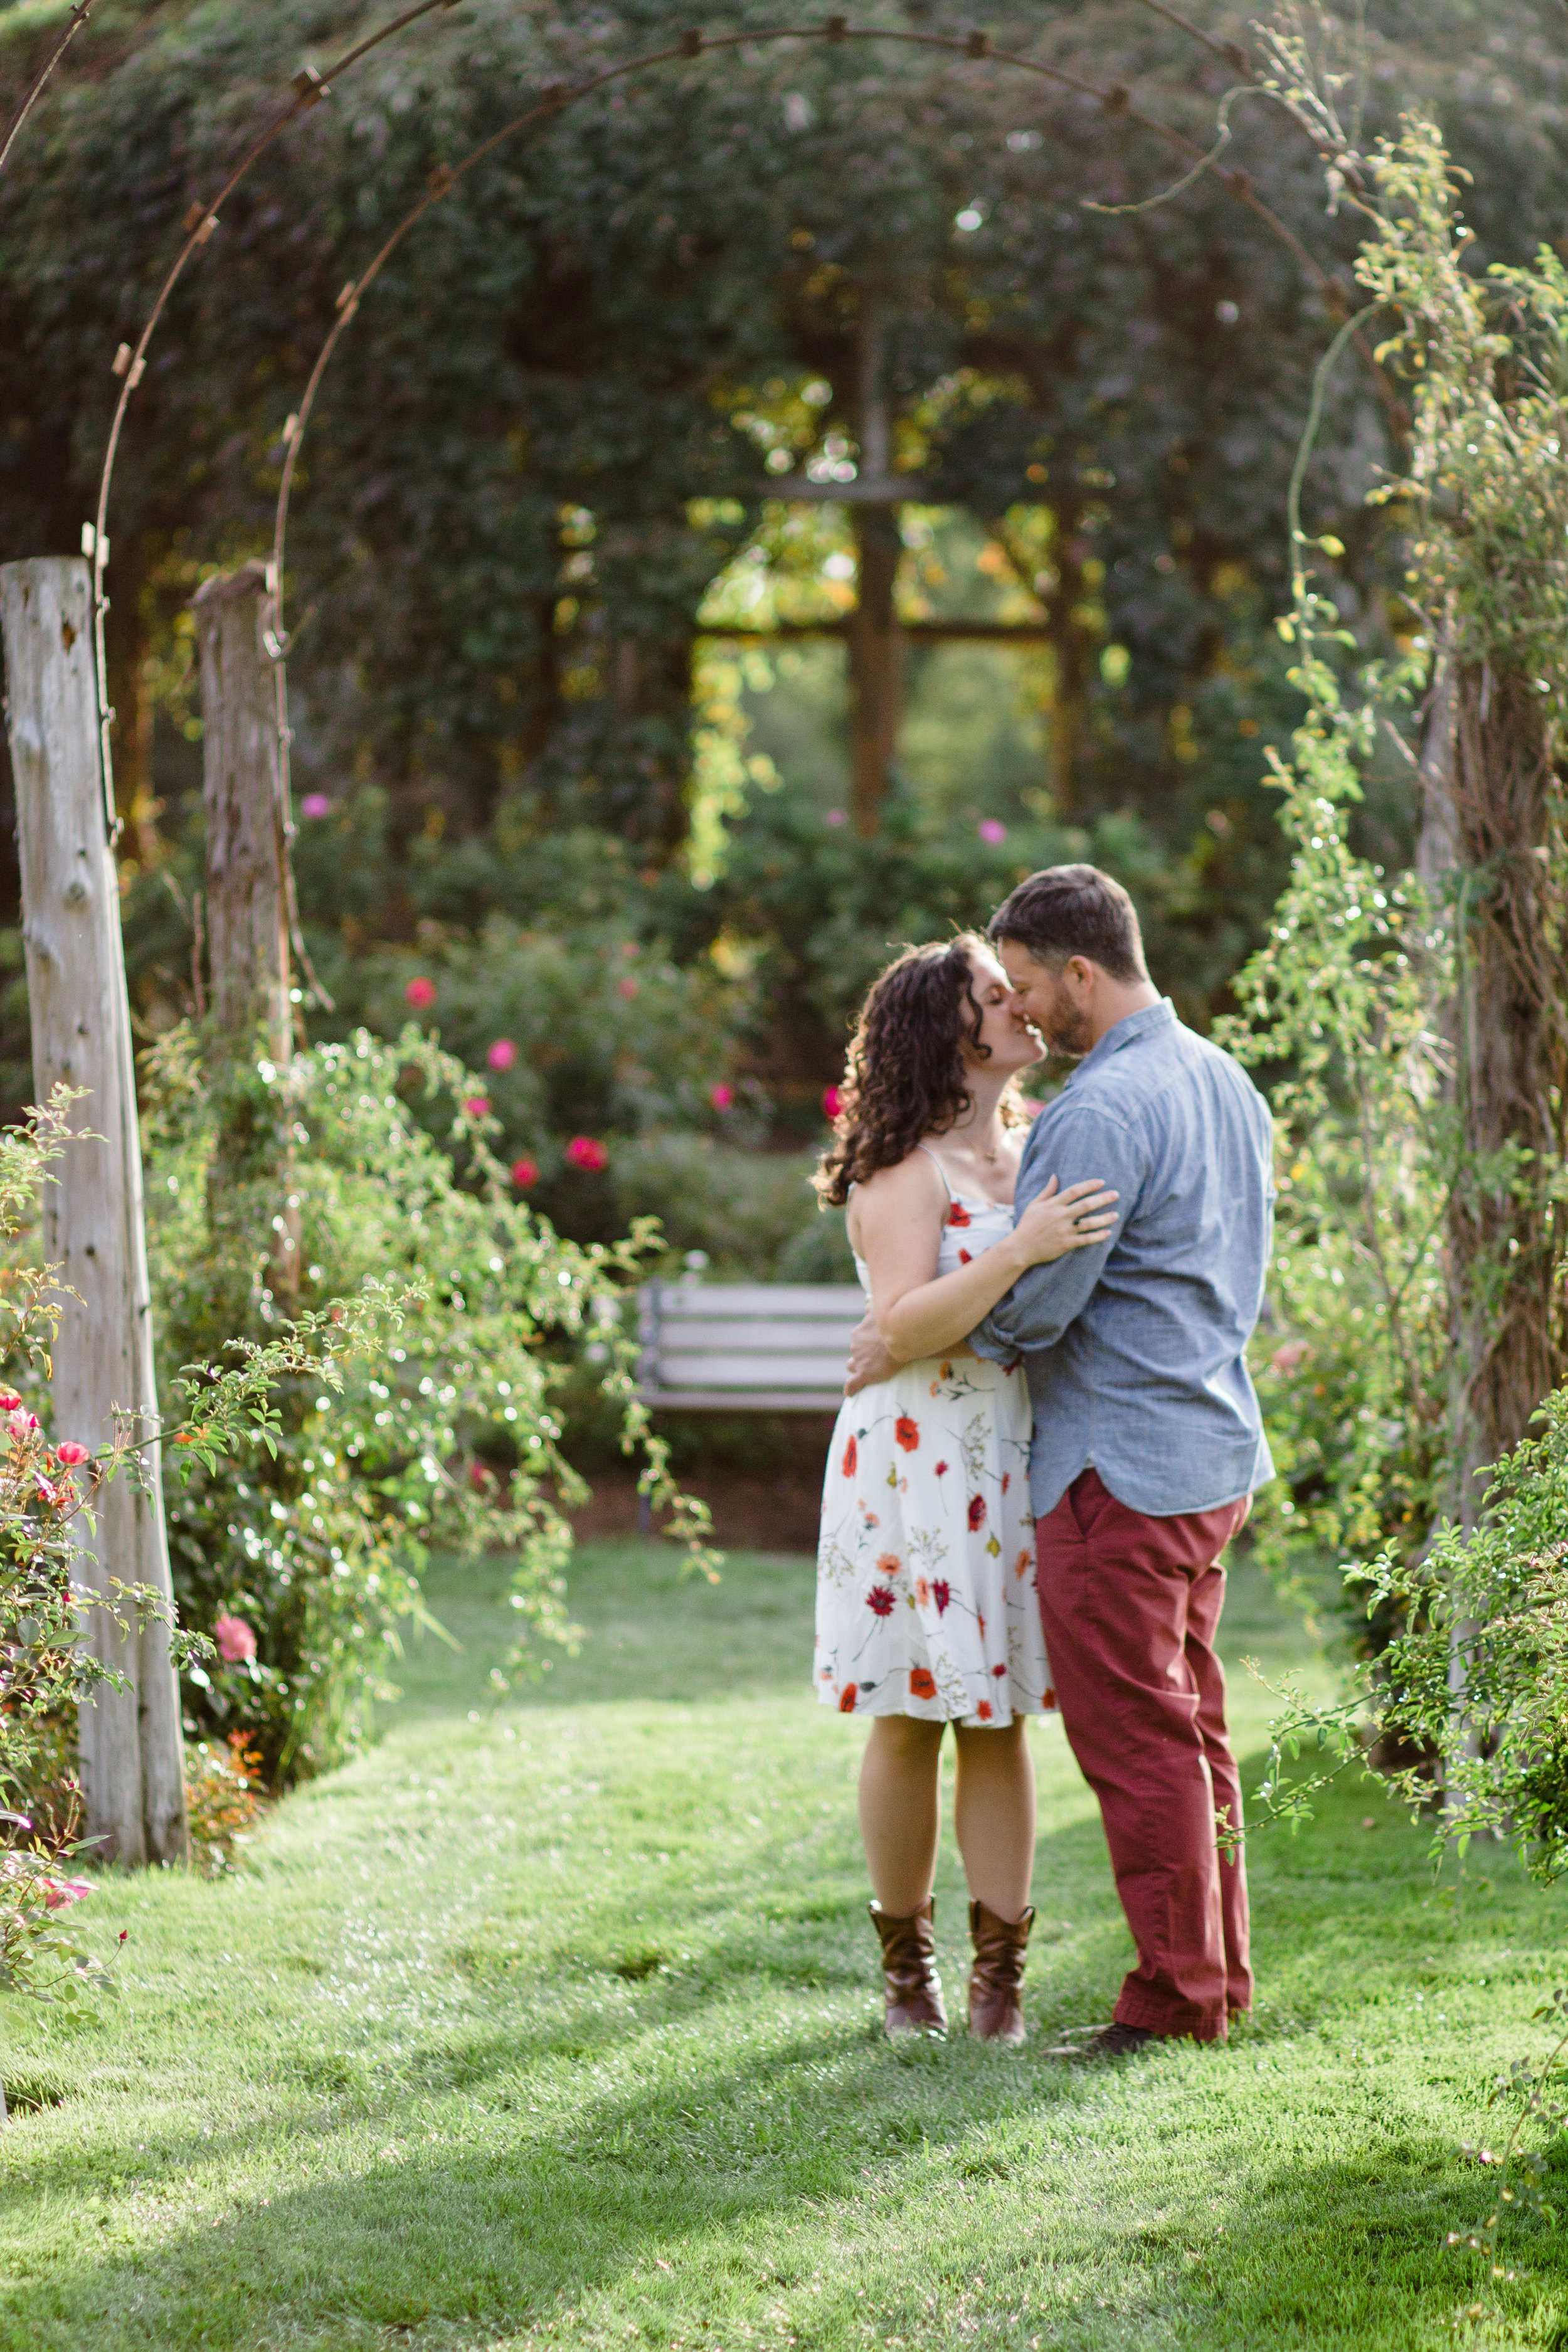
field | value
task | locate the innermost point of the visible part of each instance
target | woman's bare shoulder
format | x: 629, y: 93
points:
x: 910, y: 1184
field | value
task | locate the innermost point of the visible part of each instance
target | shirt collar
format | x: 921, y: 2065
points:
x: 1127, y: 1031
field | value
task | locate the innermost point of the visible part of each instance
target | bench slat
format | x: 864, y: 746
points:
x: 745, y: 1399
x: 750, y: 1347
x: 734, y: 1301
x: 751, y: 1371
x: 754, y: 1337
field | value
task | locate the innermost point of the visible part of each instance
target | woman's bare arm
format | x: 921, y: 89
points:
x: 898, y: 1217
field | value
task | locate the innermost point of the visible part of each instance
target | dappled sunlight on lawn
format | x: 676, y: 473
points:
x: 559, y: 2020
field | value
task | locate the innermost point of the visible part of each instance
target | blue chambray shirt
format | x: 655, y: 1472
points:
x: 1135, y: 1349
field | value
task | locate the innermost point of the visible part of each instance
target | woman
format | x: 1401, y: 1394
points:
x: 926, y: 1612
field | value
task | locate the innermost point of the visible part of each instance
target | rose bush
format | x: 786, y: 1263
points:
x: 304, y: 1564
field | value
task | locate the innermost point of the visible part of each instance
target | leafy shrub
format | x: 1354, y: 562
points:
x: 752, y: 1214
x: 47, y: 1670
x: 1479, y: 1673
x: 447, y: 1434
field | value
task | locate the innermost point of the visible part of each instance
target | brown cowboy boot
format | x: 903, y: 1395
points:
x: 912, y: 1986
x: 1000, y: 1945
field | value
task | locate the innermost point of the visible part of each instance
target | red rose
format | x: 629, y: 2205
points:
x: 907, y: 1433
x: 420, y: 992
x: 846, y: 1699
x: 525, y: 1172
x: 849, y: 1459
x: 976, y: 1511
x: 587, y: 1153
x: 71, y: 1454
x: 922, y: 1683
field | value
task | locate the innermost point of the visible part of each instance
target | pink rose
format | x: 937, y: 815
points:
x: 835, y: 817
x: 9, y: 1401
x: 20, y: 1423
x: 315, y: 804
x: 420, y: 992
x: 1289, y: 1358
x: 235, y: 1640
x: 721, y: 1096
x: 476, y: 1106
x: 587, y: 1153
x: 502, y: 1054
x: 70, y: 1453
x: 626, y: 988
x: 59, y: 1892
x: 992, y: 834
x: 832, y: 1102
x: 525, y: 1172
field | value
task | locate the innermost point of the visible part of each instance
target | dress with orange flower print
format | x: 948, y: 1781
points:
x: 925, y: 1585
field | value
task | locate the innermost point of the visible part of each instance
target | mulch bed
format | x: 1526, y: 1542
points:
x: 775, y: 1512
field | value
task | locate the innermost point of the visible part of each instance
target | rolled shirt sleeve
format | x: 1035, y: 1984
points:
x: 1071, y: 1144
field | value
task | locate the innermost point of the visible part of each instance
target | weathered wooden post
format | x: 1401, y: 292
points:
x: 133, y: 1774
x: 242, y: 786
x: 247, y: 846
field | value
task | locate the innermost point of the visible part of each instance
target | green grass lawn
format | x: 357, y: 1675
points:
x: 560, y: 2023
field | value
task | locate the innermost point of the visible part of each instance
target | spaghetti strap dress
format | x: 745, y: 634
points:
x: 925, y: 1573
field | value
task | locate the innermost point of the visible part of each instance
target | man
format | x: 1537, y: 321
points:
x: 1148, y: 1441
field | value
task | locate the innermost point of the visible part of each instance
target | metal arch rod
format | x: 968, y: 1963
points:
x: 304, y: 99
x: 35, y: 88
x: 556, y: 101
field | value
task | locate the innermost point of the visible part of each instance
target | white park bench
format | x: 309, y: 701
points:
x: 746, y: 1347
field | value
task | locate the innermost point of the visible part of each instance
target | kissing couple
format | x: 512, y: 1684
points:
x: 1048, y: 1438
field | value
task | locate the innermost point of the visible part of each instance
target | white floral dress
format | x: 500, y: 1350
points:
x: 925, y: 1571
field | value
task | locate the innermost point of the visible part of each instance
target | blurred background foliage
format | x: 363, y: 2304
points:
x: 535, y: 768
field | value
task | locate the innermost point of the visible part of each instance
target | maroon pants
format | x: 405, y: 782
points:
x: 1129, y: 1606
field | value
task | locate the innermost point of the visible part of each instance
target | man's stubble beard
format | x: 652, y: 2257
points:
x: 1066, y: 1030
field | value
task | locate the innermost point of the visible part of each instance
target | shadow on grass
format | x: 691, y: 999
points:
x: 642, y: 2198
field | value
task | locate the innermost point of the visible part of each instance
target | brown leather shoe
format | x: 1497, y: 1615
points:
x: 908, y: 1970
x: 1115, y: 2041
x: 995, y: 2014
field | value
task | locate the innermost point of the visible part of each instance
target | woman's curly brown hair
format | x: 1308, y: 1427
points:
x: 905, y: 1074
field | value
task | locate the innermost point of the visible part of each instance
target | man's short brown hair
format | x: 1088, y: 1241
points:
x: 1068, y: 910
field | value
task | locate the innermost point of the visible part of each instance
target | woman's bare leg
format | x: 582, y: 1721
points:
x: 993, y: 1815
x: 899, y: 1818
